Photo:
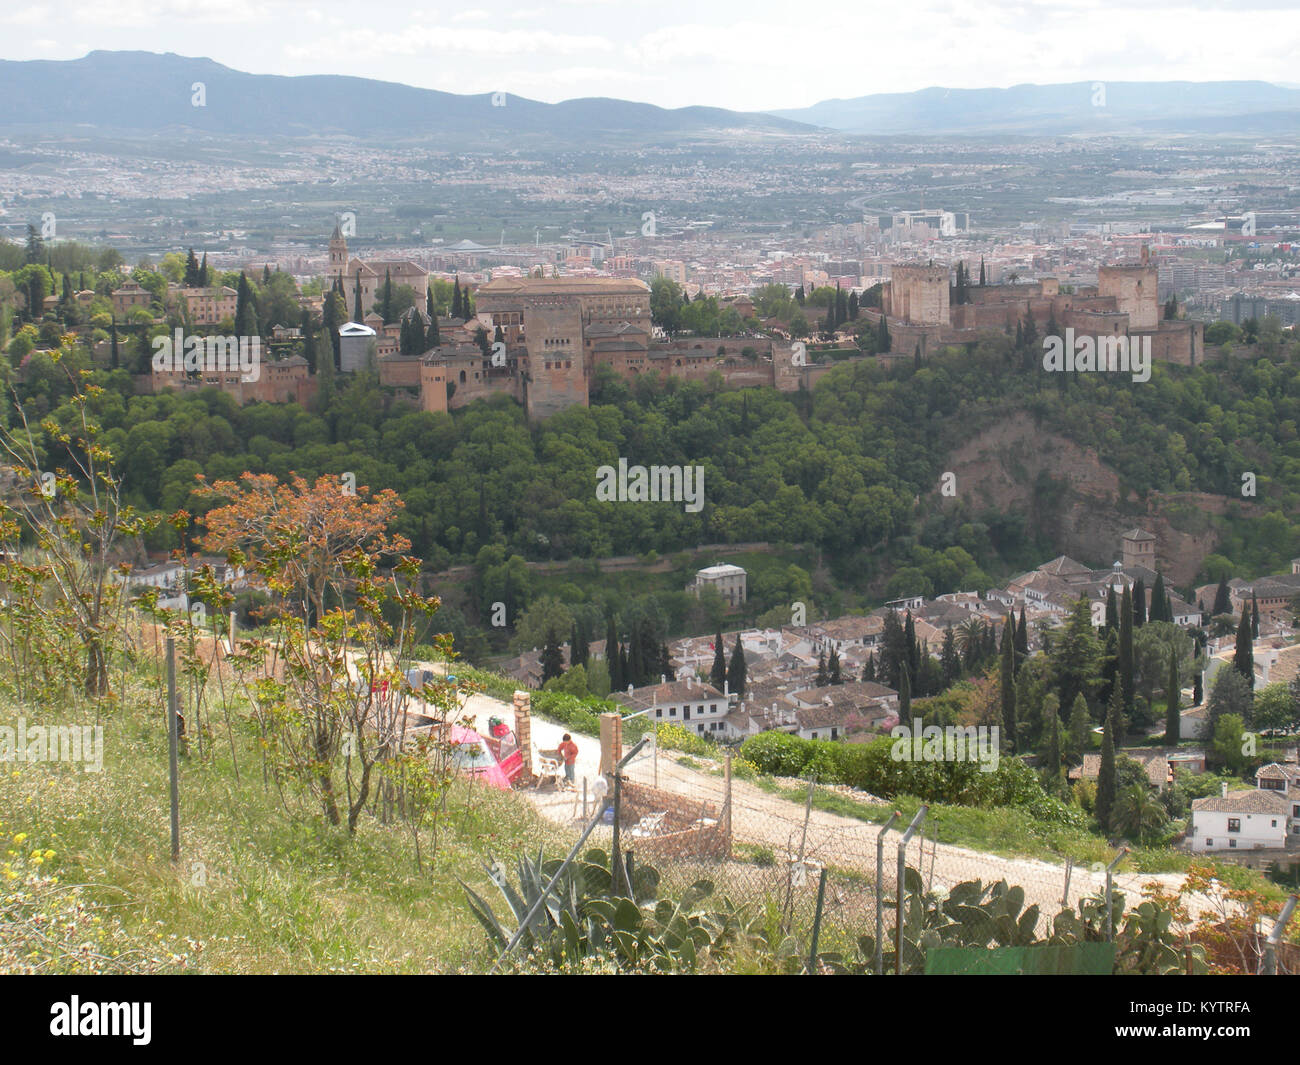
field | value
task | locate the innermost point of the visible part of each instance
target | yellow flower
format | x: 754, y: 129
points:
x: 49, y: 854
x: 20, y: 837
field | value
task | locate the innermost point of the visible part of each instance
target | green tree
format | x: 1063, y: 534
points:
x: 1075, y: 656
x: 1230, y: 695
x: 1106, y: 779
x: 718, y: 677
x: 1173, y: 702
x: 1138, y: 812
x: 1228, y: 744
x: 1124, y: 668
x: 1276, y: 709
x: 736, y: 672
x: 1007, y: 680
x: 1080, y: 724
x: 1243, y: 657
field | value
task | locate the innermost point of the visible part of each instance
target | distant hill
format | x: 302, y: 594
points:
x: 151, y: 93
x: 1125, y: 107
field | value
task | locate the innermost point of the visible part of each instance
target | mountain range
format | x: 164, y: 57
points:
x: 152, y: 93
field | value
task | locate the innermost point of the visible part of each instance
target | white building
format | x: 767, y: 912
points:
x: 729, y: 581
x: 1249, y: 819
x: 692, y: 704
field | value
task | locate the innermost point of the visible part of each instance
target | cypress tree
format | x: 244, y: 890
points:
x: 1112, y: 610
x: 191, y: 270
x: 1243, y: 658
x: 869, y: 668
x: 718, y: 676
x: 1125, y: 663
x: 904, y: 696
x: 1139, y: 603
x: 1173, y: 723
x: 833, y: 673
x: 358, y: 312
x: 949, y: 659
x: 1254, y: 616
x: 245, y: 310
x: 736, y: 671
x: 1007, y: 681
x: 1222, y: 599
x: 1079, y: 722
x: 981, y: 271
x: 1022, y: 640
x: 456, y: 309
x: 1198, y: 690
x: 552, y: 658
x: 636, y: 662
x: 386, y: 298
x: 205, y: 276
x: 823, y: 678
x: 625, y: 667
x: 1053, y: 753
x: 1159, y: 600
x: 616, y: 681
x: 913, y: 649
x: 1106, y: 780
x: 429, y: 308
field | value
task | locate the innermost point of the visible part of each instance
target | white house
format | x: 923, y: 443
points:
x: 692, y: 704
x: 1249, y: 819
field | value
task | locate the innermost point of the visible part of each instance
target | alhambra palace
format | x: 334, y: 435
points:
x: 558, y: 330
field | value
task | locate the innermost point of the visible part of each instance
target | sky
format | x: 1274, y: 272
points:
x: 750, y: 56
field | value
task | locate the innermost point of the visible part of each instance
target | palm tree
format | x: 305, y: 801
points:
x: 970, y: 639
x: 1138, y: 812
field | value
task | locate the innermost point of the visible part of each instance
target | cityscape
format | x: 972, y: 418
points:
x: 578, y: 492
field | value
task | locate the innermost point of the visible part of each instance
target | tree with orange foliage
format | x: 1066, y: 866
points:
x: 295, y: 536
x: 326, y: 687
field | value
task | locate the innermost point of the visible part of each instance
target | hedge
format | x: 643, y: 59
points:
x: 872, y: 767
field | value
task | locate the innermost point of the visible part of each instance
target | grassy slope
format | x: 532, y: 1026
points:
x: 282, y: 894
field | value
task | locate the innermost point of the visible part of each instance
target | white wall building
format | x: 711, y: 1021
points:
x: 1250, y: 819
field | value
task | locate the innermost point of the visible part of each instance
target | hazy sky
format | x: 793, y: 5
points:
x: 750, y: 55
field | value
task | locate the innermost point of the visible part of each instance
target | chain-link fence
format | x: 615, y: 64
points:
x: 817, y: 868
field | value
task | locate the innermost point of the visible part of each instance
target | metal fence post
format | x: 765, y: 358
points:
x: 1269, y: 967
x: 1110, y: 869
x: 902, y: 876
x: 172, y: 744
x: 1065, y: 895
x: 616, y: 862
x: 573, y: 853
x: 880, y: 889
x: 817, y: 923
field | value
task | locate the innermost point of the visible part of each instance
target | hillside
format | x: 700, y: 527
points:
x: 1077, y: 107
x: 152, y: 93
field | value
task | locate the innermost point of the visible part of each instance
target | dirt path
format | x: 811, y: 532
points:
x: 764, y: 819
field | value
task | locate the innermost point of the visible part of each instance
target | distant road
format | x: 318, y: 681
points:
x: 618, y: 562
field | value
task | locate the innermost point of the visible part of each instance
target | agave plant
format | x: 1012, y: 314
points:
x: 582, y: 918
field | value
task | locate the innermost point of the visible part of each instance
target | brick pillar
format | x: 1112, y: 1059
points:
x: 524, y: 734
x: 611, y: 742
